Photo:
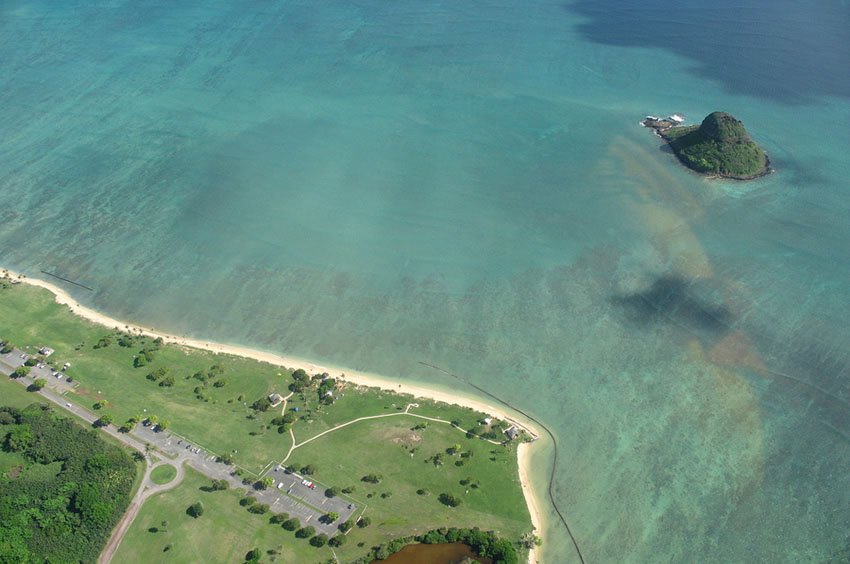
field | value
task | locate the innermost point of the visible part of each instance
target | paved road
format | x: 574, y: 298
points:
x: 147, y: 489
x: 308, y: 505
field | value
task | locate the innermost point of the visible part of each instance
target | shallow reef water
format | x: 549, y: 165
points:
x: 383, y: 184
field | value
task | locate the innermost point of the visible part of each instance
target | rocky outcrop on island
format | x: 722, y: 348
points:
x: 720, y: 146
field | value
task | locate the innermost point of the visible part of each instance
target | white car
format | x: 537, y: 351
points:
x: 68, y: 404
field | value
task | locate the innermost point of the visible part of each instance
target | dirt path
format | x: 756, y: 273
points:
x: 146, y: 490
x: 340, y: 426
x: 283, y: 408
x: 347, y: 423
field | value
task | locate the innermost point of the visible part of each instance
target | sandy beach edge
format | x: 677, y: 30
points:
x: 353, y: 376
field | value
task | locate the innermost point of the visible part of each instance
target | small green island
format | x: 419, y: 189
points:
x: 719, y: 147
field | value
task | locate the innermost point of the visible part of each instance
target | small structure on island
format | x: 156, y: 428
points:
x: 46, y: 351
x: 275, y: 399
x: 512, y: 432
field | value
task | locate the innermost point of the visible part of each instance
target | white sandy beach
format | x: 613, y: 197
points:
x: 360, y: 378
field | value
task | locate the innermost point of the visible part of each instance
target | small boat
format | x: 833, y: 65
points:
x: 677, y: 118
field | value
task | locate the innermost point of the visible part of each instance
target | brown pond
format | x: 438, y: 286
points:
x: 433, y: 554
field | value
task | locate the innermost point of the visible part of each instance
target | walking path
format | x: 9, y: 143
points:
x: 196, y: 457
x: 347, y: 423
x: 146, y: 490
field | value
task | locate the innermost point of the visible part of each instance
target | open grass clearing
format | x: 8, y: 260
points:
x: 222, y: 421
x: 163, y: 474
x: 391, y: 448
x: 15, y: 395
x: 224, y: 533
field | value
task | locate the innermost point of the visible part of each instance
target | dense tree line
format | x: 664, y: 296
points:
x: 482, y: 543
x: 66, y: 517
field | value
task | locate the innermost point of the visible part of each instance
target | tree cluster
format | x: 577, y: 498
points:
x: 300, y: 381
x: 64, y: 516
x: 482, y: 543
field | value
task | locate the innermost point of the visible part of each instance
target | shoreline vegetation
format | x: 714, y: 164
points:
x: 530, y: 494
x: 720, y: 147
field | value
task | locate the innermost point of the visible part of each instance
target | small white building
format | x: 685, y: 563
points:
x: 46, y: 351
x: 487, y: 420
x: 275, y: 399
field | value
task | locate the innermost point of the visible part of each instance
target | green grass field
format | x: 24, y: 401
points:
x: 30, y: 319
x: 163, y: 474
x: 15, y: 395
x: 224, y: 533
x: 222, y: 422
x: 391, y: 448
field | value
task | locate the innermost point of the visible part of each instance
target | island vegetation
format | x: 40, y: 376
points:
x: 720, y: 146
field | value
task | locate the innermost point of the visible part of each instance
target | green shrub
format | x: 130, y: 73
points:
x: 337, y: 540
x: 291, y: 524
x: 319, y: 540
x: 305, y: 532
x: 195, y: 510
x: 449, y: 500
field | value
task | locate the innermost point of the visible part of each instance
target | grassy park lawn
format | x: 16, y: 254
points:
x: 389, y: 447
x: 224, y: 533
x: 221, y: 420
x: 15, y: 395
x: 163, y: 474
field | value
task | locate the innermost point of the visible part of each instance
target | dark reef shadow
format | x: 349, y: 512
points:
x: 785, y: 50
x: 671, y: 299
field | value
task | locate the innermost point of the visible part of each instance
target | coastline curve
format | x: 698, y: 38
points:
x: 62, y: 297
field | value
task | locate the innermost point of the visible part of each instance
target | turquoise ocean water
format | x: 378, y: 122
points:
x: 379, y: 184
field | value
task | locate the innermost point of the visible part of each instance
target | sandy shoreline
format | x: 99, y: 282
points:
x: 359, y: 378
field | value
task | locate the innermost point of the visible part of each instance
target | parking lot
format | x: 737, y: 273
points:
x: 57, y: 379
x: 301, y: 494
x: 287, y: 495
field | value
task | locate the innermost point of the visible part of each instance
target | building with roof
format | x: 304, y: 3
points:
x: 275, y: 399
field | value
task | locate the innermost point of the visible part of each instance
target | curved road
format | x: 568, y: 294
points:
x: 146, y: 490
